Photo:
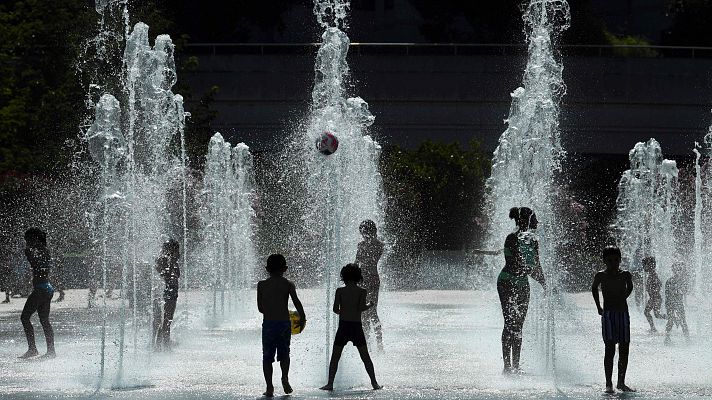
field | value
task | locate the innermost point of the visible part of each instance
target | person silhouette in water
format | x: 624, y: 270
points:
x: 41, y: 297
x: 652, y: 286
x: 349, y: 302
x: 369, y: 252
x: 167, y: 267
x: 616, y: 285
x: 675, y: 290
x: 521, y: 255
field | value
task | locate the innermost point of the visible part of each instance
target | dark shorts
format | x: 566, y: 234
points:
x: 615, y: 326
x: 276, y: 336
x: 350, y: 331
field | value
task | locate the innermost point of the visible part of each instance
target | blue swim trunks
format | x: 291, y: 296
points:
x: 276, y: 336
x: 46, y: 287
x: 615, y: 326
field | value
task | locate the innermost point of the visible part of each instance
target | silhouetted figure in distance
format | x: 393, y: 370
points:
x: 616, y: 285
x: 675, y: 289
x: 167, y: 267
x: 349, y: 302
x: 652, y: 286
x: 369, y: 252
x: 521, y: 255
x: 273, y: 295
x: 41, y: 297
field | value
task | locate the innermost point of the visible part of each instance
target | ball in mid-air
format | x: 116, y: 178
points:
x: 327, y: 143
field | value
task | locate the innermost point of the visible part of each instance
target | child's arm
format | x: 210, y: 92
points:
x: 337, y: 302
x: 594, y: 292
x: 487, y: 252
x: 259, y: 297
x: 629, y: 284
x: 297, y: 305
x: 538, y: 273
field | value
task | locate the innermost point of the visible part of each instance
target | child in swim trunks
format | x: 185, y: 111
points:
x: 675, y: 289
x: 273, y: 294
x: 652, y: 286
x: 349, y: 303
x: 616, y: 285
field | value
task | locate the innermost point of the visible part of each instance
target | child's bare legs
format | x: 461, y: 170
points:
x: 366, y: 358
x: 333, y: 366
x: 649, y: 316
x: 683, y: 322
x: 267, y: 370
x: 284, y: 365
x: 623, y: 349
x: 608, y: 365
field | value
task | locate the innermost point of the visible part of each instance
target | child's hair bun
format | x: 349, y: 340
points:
x: 514, y: 213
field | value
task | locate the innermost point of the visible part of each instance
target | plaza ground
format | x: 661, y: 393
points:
x: 438, y: 345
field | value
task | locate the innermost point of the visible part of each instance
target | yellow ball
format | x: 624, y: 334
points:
x: 294, y: 318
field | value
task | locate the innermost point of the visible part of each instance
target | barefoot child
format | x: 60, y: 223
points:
x: 273, y: 294
x: 167, y: 266
x: 652, y: 286
x: 40, y: 299
x: 616, y: 286
x: 349, y: 303
x: 675, y: 289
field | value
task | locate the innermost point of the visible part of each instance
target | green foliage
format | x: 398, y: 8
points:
x: 639, y: 46
x: 433, y: 195
x: 42, y: 95
x: 39, y: 92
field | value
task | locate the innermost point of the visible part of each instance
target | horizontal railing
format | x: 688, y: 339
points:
x: 652, y: 51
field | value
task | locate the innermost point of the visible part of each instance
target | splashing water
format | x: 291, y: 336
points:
x: 648, y: 208
x: 344, y: 188
x: 528, y: 157
x: 702, y: 235
x: 138, y: 165
x: 229, y: 254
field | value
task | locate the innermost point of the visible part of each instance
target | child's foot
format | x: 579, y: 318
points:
x: 49, y: 355
x: 269, y: 392
x: 285, y: 385
x: 624, y: 388
x: 7, y: 300
x: 609, y: 389
x: 653, y: 330
x: 376, y: 386
x: 29, y: 354
x: 329, y: 388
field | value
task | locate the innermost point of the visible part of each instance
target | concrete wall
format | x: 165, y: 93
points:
x: 611, y: 102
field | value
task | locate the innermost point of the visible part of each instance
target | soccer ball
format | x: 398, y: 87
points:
x: 327, y: 143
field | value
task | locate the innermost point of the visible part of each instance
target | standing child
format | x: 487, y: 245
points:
x: 616, y: 286
x: 167, y: 267
x: 273, y: 294
x: 41, y: 297
x: 349, y: 303
x: 652, y: 286
x: 369, y: 252
x: 675, y: 289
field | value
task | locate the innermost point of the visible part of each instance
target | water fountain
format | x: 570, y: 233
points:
x: 344, y: 188
x: 647, y: 208
x: 528, y: 157
x: 702, y: 237
x: 131, y: 139
x: 228, y: 221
